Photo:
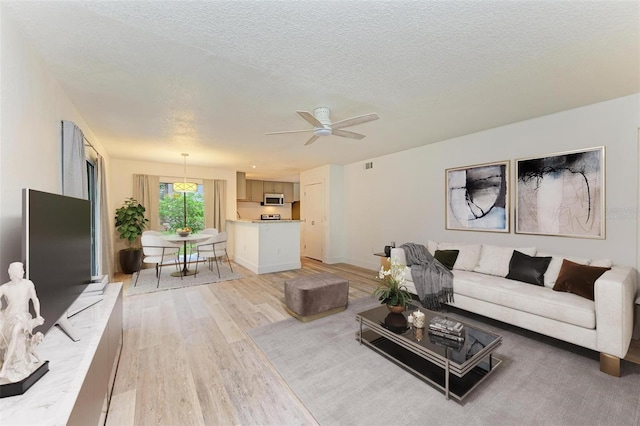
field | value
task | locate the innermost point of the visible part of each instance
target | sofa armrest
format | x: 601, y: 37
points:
x: 614, y: 294
x: 402, y: 259
x: 399, y: 253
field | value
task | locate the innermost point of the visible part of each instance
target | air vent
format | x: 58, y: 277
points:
x: 368, y: 165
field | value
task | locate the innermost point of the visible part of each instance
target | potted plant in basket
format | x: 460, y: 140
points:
x: 130, y: 222
x: 391, y: 289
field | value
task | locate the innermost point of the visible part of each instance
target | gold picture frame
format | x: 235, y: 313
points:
x: 562, y: 194
x: 478, y: 198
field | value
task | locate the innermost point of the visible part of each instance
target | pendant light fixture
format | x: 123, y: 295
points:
x: 185, y: 186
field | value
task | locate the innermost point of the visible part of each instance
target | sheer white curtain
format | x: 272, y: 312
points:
x: 74, y: 162
x: 146, y: 190
x: 215, y: 204
x: 103, y: 236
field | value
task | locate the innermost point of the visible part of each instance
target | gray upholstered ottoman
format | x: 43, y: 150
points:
x: 315, y: 296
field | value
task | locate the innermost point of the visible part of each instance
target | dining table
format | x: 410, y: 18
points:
x: 191, y: 238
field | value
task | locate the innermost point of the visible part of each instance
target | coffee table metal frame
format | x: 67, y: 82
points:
x: 377, y: 336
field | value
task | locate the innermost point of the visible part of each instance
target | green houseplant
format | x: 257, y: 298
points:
x: 391, y: 289
x: 130, y: 222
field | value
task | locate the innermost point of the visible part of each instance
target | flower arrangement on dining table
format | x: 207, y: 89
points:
x: 391, y: 289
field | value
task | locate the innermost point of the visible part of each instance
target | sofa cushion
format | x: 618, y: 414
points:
x: 556, y: 263
x: 447, y: 257
x: 528, y: 269
x: 537, y: 300
x: 494, y: 260
x: 468, y: 256
x: 578, y: 279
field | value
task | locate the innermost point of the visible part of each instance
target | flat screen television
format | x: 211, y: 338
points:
x: 56, y: 250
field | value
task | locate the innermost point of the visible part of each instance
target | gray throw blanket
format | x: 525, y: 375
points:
x: 433, y: 281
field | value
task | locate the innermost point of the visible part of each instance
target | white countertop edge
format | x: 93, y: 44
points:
x: 264, y: 221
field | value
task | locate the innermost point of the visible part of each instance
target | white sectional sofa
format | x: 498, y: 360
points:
x: 604, y: 324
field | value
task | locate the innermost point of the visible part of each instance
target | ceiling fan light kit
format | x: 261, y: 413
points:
x: 322, y: 125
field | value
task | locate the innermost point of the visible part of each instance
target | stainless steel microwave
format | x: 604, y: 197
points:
x: 273, y: 199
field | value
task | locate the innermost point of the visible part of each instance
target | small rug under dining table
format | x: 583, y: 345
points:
x: 148, y: 283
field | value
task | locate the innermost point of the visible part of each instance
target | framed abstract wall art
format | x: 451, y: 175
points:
x: 562, y: 194
x: 477, y: 197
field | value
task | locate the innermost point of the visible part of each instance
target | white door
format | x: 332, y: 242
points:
x: 313, y: 206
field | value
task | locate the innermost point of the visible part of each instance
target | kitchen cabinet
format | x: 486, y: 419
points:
x: 270, y: 187
x: 296, y: 191
x: 264, y: 247
x: 255, y: 190
x: 288, y: 192
x: 241, y: 186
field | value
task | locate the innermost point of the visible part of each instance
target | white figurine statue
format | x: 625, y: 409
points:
x: 17, y: 341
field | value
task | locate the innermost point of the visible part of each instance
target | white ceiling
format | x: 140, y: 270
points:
x: 154, y: 79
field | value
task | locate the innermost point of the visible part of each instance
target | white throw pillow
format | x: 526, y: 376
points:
x: 494, y: 260
x: 553, y: 270
x: 603, y: 263
x: 432, y: 246
x: 467, y: 257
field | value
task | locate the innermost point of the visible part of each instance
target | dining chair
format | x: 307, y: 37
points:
x: 158, y: 233
x: 206, y: 231
x: 192, y: 247
x: 156, y: 249
x: 212, y: 249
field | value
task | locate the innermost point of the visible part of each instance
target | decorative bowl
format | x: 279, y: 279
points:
x: 184, y: 234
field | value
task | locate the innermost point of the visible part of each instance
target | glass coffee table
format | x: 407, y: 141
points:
x: 454, y: 367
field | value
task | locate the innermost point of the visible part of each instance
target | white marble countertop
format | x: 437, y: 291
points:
x: 51, y: 399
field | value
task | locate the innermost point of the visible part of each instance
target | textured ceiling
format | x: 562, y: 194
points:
x: 154, y: 79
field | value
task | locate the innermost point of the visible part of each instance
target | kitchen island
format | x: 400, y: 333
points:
x: 265, y: 246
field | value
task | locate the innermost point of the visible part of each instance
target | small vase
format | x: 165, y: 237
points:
x: 396, y: 309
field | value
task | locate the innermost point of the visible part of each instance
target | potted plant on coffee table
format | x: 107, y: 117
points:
x: 130, y: 222
x: 391, y: 289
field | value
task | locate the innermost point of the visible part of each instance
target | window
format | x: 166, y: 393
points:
x: 174, y: 206
x: 92, y: 183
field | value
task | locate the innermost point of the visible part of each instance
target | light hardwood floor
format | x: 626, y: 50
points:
x: 187, y: 359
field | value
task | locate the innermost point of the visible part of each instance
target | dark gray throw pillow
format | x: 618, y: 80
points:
x: 528, y: 269
x: 446, y: 257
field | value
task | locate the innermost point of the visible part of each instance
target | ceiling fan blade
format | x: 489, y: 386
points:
x: 347, y: 134
x: 289, y: 131
x: 310, y: 118
x: 311, y: 140
x: 354, y: 120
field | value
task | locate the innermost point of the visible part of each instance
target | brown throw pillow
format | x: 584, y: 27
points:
x: 578, y: 279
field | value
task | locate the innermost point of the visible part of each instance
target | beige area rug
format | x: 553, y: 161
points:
x: 148, y: 283
x: 541, y: 381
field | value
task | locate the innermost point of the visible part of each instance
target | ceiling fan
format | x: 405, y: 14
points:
x: 322, y: 125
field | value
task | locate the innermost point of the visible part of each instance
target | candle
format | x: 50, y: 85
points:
x: 418, y: 319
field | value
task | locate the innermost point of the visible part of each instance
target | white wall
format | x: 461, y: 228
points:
x: 253, y: 210
x: 336, y: 230
x: 121, y: 182
x: 402, y: 197
x: 32, y: 105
